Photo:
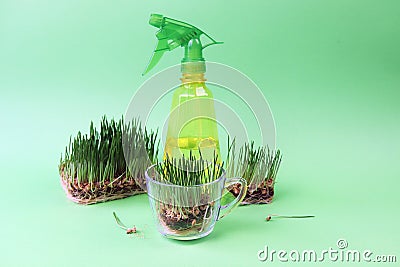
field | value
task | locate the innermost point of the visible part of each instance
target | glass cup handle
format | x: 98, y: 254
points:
x: 243, y: 189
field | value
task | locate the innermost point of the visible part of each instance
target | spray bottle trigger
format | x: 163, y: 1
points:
x: 161, y: 47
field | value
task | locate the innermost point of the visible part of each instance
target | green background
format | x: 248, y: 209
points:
x: 330, y: 71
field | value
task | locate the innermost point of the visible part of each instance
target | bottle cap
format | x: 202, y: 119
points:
x: 193, y: 67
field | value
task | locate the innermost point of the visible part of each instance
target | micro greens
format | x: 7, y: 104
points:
x: 258, y: 165
x: 189, y: 171
x: 98, y: 157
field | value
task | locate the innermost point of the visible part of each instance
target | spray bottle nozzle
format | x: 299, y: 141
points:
x: 156, y: 20
x: 174, y: 33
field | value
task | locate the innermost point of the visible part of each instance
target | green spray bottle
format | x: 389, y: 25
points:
x: 192, y: 126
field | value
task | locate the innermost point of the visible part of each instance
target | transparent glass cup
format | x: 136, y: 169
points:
x: 189, y: 212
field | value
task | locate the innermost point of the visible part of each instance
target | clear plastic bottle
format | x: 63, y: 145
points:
x: 192, y: 126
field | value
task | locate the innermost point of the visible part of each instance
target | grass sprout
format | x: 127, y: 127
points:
x: 98, y: 157
x: 258, y: 165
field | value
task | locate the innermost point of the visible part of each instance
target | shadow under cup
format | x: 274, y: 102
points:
x: 189, y: 212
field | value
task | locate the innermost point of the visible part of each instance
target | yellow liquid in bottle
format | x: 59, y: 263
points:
x: 192, y: 125
x: 183, y: 146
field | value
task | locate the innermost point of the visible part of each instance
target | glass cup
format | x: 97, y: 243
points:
x: 189, y: 212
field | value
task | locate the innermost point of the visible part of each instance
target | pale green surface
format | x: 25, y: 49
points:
x: 329, y: 69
